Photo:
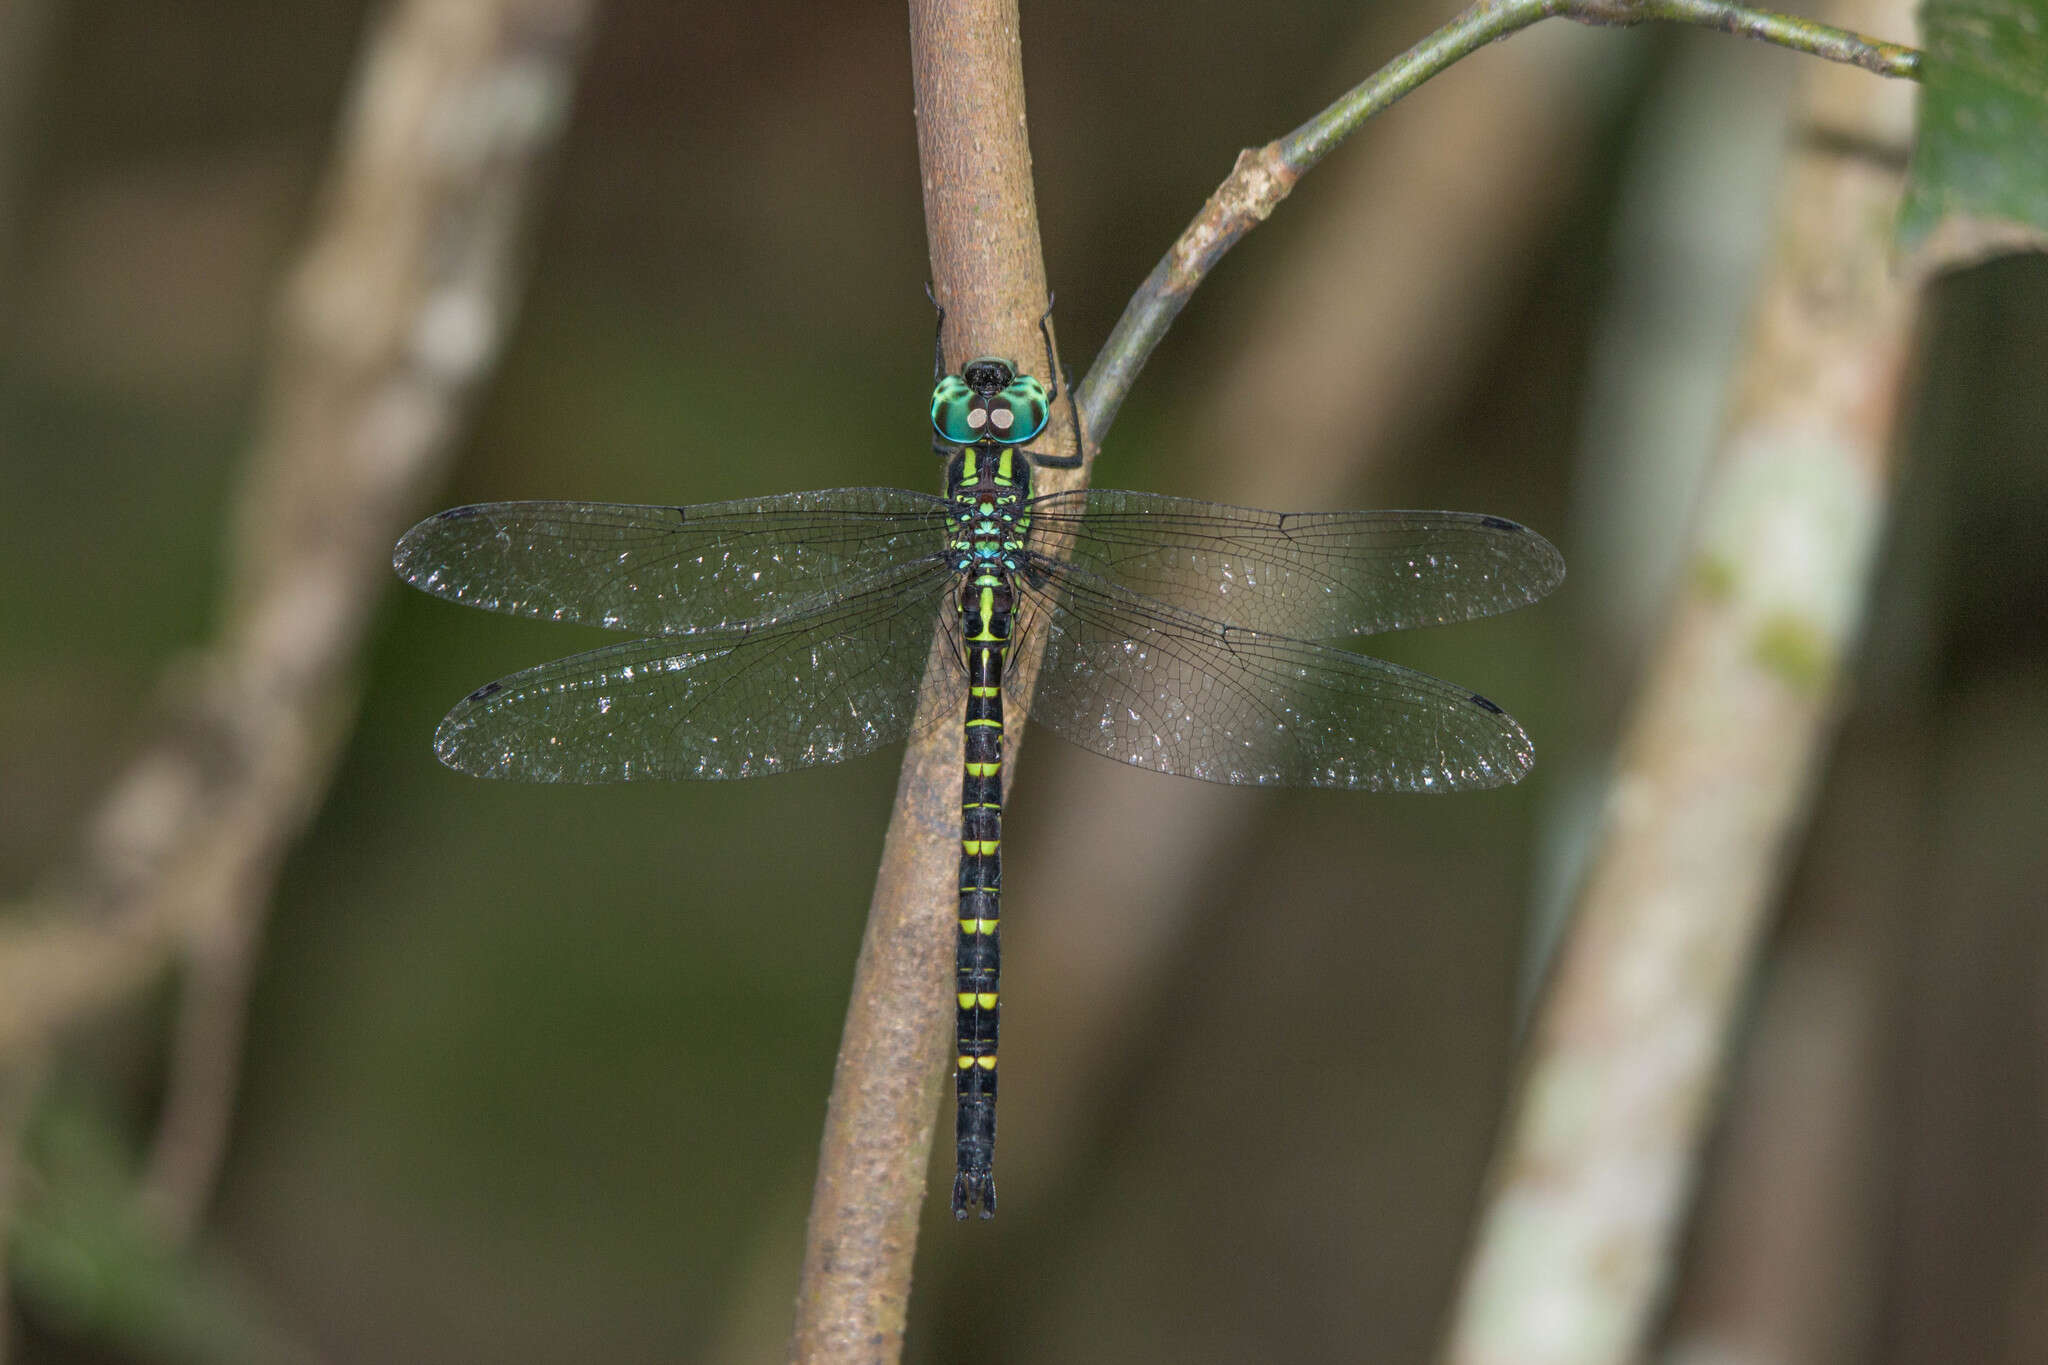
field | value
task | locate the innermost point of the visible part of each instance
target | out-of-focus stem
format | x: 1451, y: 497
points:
x: 205, y: 1066
x: 1591, y: 1187
x: 393, y: 315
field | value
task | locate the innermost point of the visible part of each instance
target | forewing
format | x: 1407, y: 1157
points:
x: 1168, y: 690
x: 669, y: 570
x: 1317, y: 575
x: 801, y: 691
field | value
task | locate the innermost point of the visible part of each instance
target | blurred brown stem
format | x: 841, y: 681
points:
x: 390, y: 320
x: 205, y: 1066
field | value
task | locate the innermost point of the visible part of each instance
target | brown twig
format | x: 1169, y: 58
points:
x: 1597, y: 1167
x: 204, y: 1066
x: 390, y: 321
x: 989, y: 274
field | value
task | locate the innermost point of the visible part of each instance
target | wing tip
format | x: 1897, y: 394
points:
x: 407, y: 552
x: 1551, y: 557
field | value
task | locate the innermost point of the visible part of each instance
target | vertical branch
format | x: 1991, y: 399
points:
x: 388, y: 325
x: 989, y: 274
x: 1595, y: 1177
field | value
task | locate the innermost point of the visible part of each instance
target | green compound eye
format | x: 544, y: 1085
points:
x: 952, y: 400
x: 1019, y: 412
x: 988, y: 402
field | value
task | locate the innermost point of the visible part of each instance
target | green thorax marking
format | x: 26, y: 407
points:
x: 989, y: 486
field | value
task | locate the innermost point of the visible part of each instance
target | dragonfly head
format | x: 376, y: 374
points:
x: 988, y: 401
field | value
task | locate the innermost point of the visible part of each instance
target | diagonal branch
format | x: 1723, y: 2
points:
x: 1266, y: 175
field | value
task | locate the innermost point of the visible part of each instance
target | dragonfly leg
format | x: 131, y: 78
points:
x: 938, y: 335
x: 1056, y: 380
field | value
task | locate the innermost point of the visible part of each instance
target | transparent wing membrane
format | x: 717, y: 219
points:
x: 804, y: 690
x: 1317, y: 575
x: 669, y: 570
x: 1158, y: 688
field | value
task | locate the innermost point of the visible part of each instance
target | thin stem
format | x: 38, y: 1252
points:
x: 203, y: 1072
x: 1783, y: 30
x: 1266, y: 175
x: 989, y: 274
x: 1485, y: 22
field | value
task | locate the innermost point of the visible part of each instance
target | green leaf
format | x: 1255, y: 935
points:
x: 85, y: 1259
x: 1980, y: 166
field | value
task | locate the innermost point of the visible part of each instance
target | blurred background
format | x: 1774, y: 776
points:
x: 537, y: 1074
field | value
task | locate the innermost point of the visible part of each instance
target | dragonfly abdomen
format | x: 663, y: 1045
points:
x: 985, y: 609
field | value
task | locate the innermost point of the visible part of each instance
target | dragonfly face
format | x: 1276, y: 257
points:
x: 989, y: 401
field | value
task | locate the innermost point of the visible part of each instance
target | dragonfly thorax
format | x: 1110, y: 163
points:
x: 988, y: 485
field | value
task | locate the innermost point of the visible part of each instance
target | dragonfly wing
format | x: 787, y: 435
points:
x: 668, y: 570
x: 805, y: 690
x: 1315, y: 575
x: 1165, y: 689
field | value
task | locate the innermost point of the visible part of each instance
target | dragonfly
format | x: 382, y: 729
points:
x: 791, y: 630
